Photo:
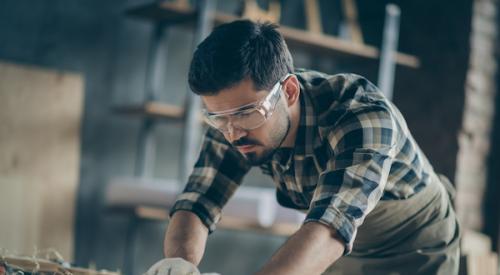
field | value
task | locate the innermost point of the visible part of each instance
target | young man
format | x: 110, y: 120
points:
x: 335, y: 148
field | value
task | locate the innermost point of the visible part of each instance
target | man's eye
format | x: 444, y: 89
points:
x: 219, y: 119
x: 243, y: 115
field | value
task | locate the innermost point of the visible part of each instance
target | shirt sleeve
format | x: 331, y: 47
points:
x: 362, y: 142
x: 216, y: 175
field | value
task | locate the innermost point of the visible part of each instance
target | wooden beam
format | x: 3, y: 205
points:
x: 43, y: 266
x: 280, y: 229
x: 153, y: 109
x: 168, y: 12
x: 30, y: 264
x: 351, y: 14
x: 254, y: 12
x: 482, y: 264
x: 313, y: 16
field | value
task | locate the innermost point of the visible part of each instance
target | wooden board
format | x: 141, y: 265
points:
x: 153, y: 109
x: 279, y: 229
x: 40, y: 113
x: 166, y: 12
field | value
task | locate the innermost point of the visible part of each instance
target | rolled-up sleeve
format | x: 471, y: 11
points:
x: 362, y: 142
x: 216, y: 175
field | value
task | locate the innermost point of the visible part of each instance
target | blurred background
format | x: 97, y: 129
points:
x: 94, y: 102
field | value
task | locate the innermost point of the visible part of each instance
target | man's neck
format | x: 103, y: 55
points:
x: 294, y: 125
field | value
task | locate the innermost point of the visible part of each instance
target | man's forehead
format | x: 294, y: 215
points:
x: 235, y: 96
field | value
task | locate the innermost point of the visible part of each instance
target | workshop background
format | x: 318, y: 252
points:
x: 75, y: 77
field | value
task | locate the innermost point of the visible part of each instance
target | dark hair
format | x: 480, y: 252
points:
x: 235, y: 51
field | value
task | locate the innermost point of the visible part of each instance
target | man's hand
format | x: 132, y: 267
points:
x: 186, y: 237
x: 311, y: 250
x: 173, y: 266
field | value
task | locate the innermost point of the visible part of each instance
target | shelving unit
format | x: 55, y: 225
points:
x: 152, y: 111
x: 295, y: 38
x: 169, y: 13
x: 329, y: 45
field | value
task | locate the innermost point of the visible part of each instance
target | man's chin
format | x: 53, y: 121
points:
x: 257, y: 159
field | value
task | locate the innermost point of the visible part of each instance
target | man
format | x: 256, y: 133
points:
x: 335, y: 148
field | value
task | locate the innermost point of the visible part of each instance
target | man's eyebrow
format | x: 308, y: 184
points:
x: 241, y: 107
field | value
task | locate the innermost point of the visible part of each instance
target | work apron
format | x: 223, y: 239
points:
x: 419, y: 235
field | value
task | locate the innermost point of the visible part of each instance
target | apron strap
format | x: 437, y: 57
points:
x: 450, y: 189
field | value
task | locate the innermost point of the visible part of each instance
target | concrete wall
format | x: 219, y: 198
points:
x: 93, y: 38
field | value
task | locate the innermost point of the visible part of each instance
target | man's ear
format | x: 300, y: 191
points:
x: 291, y: 88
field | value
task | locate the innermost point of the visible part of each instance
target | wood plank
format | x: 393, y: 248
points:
x: 482, y: 264
x: 479, y: 259
x: 280, y: 229
x: 168, y: 12
x: 40, y: 265
x: 153, y: 110
x: 39, y: 165
x: 351, y: 14
x: 30, y: 264
x: 254, y: 12
x: 313, y: 16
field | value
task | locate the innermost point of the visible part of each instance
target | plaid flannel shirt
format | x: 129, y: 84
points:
x: 352, y: 149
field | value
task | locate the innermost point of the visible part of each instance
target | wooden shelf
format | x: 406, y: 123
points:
x: 163, y: 11
x: 295, y: 38
x: 154, y: 110
x: 327, y: 44
x: 280, y: 229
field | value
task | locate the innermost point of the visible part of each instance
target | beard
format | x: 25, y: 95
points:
x: 276, y: 137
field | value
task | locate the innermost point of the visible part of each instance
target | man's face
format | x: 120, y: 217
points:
x: 259, y: 144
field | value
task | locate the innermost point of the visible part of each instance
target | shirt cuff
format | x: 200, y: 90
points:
x: 209, y: 215
x: 336, y: 220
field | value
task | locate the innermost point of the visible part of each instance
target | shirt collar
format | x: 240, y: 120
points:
x: 307, y: 138
x: 307, y: 133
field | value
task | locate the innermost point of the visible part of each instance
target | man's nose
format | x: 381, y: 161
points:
x: 234, y: 133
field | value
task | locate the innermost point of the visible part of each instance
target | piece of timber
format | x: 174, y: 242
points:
x: 280, y: 229
x: 153, y: 109
x: 167, y: 12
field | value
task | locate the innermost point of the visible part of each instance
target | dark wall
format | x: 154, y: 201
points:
x: 491, y: 206
x: 93, y: 38
x: 432, y: 97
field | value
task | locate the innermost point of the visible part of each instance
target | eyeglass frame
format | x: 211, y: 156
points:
x: 264, y: 106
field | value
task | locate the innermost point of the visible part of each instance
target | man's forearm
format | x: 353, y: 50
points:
x: 311, y: 250
x: 186, y: 237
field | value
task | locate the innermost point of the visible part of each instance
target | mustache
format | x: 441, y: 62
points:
x: 245, y: 141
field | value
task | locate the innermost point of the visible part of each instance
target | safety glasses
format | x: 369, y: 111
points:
x: 249, y: 116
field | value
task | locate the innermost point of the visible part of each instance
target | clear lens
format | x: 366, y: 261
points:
x: 218, y: 122
x: 246, y: 120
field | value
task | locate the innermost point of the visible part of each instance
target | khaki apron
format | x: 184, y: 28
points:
x: 419, y: 235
